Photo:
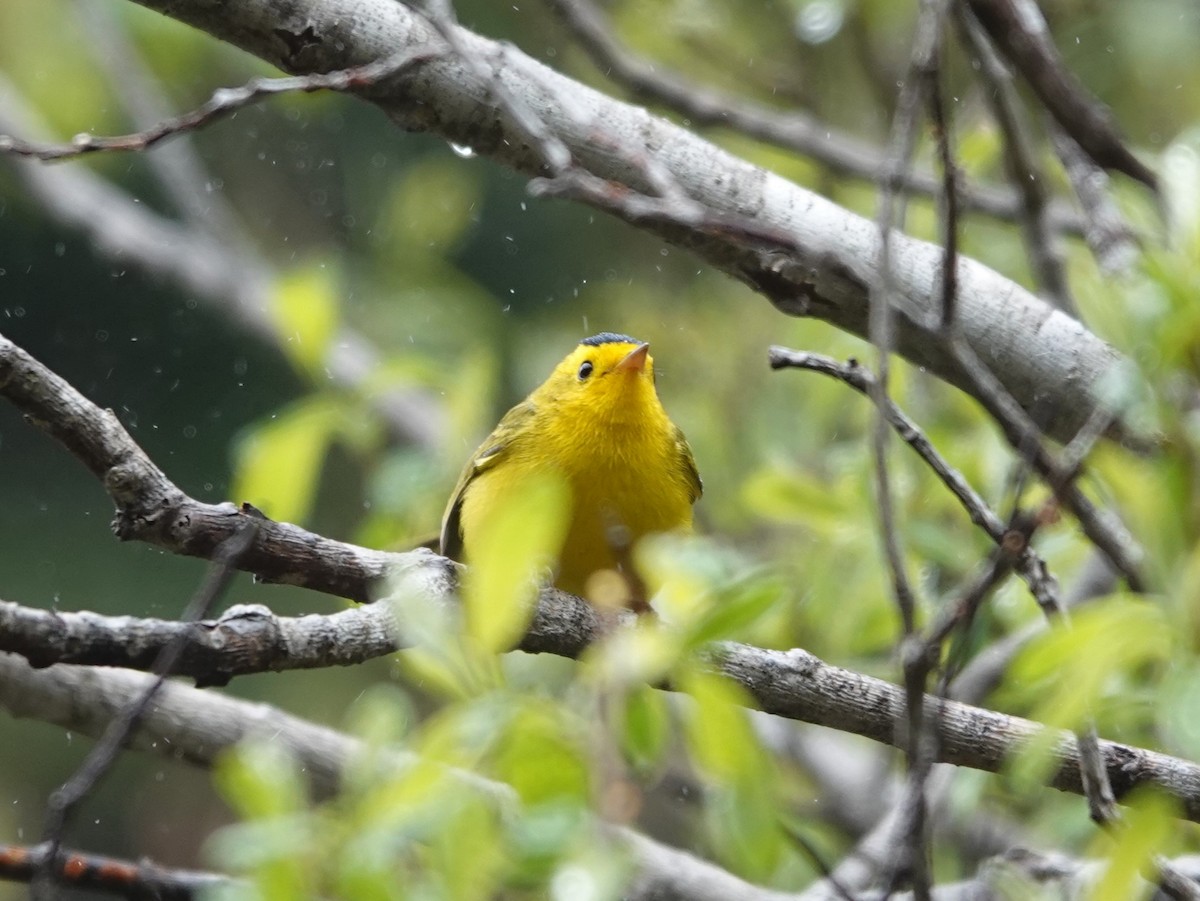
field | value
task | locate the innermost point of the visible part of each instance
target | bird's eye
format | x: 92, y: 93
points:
x: 585, y: 369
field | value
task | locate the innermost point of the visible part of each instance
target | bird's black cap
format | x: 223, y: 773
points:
x: 609, y: 338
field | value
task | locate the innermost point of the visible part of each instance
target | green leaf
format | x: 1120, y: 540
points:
x: 260, y: 781
x: 544, y: 833
x: 537, y: 757
x: 737, y: 608
x: 1068, y: 669
x: 305, y: 309
x: 510, y: 551
x: 629, y: 657
x: 742, y: 791
x: 278, y: 463
x: 720, y: 737
x: 743, y: 819
x: 1179, y: 699
x: 473, y: 827
x: 645, y: 726
x: 1148, y: 826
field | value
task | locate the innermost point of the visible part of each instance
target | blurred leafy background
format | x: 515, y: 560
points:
x: 473, y: 291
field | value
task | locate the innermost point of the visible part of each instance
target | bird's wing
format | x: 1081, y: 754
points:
x: 688, y: 465
x: 491, y: 452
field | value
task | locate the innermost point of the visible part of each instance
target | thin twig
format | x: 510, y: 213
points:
x: 215, y: 267
x: 1042, y: 244
x: 1031, y: 567
x: 817, y: 859
x: 923, y: 67
x: 136, y: 881
x: 222, y: 103
x: 948, y: 197
x: 1112, y: 241
x: 1020, y: 31
x: 152, y: 508
x: 890, y: 211
x: 62, y: 803
x: 1102, y: 527
x: 176, y: 166
x: 553, y: 152
x: 666, y: 200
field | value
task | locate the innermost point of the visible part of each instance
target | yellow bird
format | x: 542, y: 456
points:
x: 597, y: 423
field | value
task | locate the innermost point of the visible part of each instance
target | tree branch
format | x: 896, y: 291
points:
x: 246, y: 638
x: 1042, y: 245
x: 792, y: 684
x: 1041, y: 353
x: 109, y: 875
x: 1112, y: 242
x: 1021, y: 33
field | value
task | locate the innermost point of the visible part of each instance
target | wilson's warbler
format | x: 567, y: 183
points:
x: 597, y: 423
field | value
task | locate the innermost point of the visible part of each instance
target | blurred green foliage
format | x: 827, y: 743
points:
x: 472, y: 291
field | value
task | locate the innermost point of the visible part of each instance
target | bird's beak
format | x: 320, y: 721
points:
x: 635, y: 360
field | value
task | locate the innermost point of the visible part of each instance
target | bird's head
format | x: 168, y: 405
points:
x: 609, y: 376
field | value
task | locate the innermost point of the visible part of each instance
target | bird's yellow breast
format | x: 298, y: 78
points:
x: 617, y: 474
x: 608, y: 437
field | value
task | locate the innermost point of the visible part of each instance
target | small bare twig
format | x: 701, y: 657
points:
x: 1042, y: 244
x: 948, y: 197
x: 176, y: 166
x: 913, y: 827
x: 222, y: 103
x: 151, y: 508
x: 553, y: 152
x: 1031, y: 567
x: 1020, y: 31
x: 136, y: 881
x: 890, y: 211
x: 104, y: 753
x: 1101, y: 527
x: 1112, y: 241
x: 664, y: 200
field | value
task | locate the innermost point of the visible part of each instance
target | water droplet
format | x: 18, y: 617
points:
x: 819, y: 20
x: 462, y: 150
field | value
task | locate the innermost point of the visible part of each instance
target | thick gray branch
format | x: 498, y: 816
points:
x: 792, y: 684
x: 1041, y: 354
